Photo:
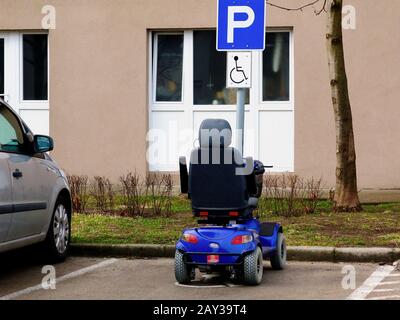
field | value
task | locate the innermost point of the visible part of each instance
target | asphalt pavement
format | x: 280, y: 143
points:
x: 23, y: 276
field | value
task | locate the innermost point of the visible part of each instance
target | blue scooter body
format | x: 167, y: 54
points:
x: 218, y: 241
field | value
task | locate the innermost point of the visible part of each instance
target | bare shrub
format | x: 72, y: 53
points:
x: 273, y: 195
x: 311, y: 195
x: 134, y: 194
x: 282, y: 193
x: 153, y: 195
x: 160, y: 193
x: 103, y: 194
x: 294, y: 188
x: 79, y: 192
x: 290, y: 195
x: 331, y: 195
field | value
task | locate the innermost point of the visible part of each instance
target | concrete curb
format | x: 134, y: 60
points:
x: 317, y: 254
x: 123, y: 250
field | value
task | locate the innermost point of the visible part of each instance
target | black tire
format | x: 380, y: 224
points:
x: 56, y: 253
x: 253, y: 268
x: 278, y: 260
x: 182, y: 272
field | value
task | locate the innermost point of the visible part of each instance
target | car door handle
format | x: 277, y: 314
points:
x: 51, y: 170
x: 17, y: 174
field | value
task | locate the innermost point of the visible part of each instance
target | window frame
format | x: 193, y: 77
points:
x: 210, y: 107
x: 27, y: 109
x: 255, y: 94
x: 187, y: 112
x: 277, y: 105
x: 155, y: 66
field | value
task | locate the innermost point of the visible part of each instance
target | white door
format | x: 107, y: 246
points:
x: 188, y: 85
x: 24, y: 77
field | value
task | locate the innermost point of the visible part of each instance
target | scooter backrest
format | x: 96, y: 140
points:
x: 214, y: 184
x: 215, y: 133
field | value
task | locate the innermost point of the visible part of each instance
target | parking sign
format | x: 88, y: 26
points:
x: 241, y: 25
x: 238, y: 69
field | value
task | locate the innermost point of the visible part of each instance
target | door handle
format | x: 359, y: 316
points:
x: 51, y: 170
x: 17, y: 174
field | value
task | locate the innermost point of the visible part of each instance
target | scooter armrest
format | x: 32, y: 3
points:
x: 184, y: 175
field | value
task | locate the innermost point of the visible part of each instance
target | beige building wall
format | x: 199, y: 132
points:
x: 99, y: 82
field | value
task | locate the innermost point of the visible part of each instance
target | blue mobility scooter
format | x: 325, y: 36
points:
x: 224, y: 195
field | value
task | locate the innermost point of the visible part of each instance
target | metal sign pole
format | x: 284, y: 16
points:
x: 239, y: 38
x: 241, y: 97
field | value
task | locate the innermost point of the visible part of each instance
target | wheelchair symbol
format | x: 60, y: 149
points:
x: 237, y: 74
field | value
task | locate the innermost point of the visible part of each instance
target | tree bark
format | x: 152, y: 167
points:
x: 346, y: 193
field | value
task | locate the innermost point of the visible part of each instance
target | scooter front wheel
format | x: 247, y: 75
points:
x: 182, y: 272
x: 278, y: 260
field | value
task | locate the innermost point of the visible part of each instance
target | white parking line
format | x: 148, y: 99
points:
x: 371, y: 283
x: 384, y: 298
x: 389, y: 283
x: 384, y: 290
x: 71, y: 275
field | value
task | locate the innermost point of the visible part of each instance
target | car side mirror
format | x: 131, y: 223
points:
x: 43, y: 144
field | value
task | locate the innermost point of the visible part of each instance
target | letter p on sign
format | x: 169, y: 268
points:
x: 241, y: 25
x: 236, y: 24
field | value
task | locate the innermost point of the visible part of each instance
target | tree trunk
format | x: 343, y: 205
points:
x: 346, y: 193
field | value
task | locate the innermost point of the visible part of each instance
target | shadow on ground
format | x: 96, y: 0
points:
x: 20, y: 259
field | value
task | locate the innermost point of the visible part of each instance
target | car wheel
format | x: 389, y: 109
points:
x: 253, y: 268
x: 182, y: 272
x: 59, y: 234
x: 278, y: 260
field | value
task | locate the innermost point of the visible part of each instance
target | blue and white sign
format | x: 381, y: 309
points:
x: 241, y: 25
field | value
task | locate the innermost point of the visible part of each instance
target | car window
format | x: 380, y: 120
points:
x: 11, y: 135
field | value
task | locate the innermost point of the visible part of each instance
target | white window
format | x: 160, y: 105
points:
x: 209, y: 77
x: 168, y: 67
x: 24, y: 75
x: 188, y: 85
x: 34, y: 67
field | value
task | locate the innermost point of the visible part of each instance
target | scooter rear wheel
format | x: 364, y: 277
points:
x: 182, y: 272
x: 253, y: 268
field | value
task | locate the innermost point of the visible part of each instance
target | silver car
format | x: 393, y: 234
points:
x: 35, y: 200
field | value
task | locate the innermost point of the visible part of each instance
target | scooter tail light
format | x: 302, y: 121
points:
x: 191, y: 238
x: 234, y: 214
x: 243, y: 239
x: 203, y: 214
